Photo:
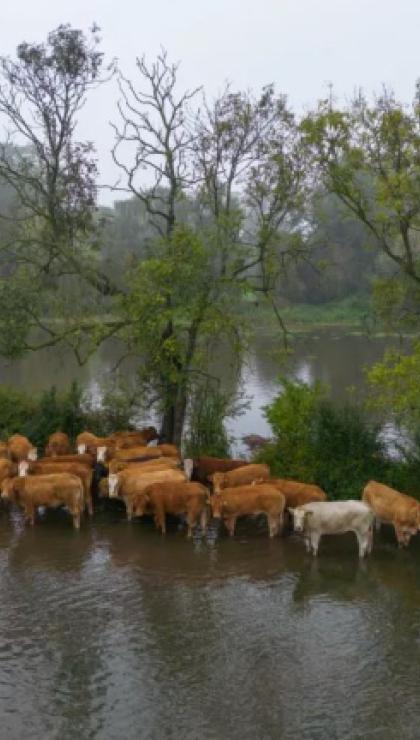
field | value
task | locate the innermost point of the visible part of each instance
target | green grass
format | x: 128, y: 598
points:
x: 351, y: 312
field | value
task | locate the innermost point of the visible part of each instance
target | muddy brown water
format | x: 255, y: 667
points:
x: 117, y: 633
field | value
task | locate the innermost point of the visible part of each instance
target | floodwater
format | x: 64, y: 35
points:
x: 336, y: 359
x: 116, y: 632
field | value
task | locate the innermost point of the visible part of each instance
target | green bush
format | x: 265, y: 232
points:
x: 337, y: 447
x: 71, y: 412
x: 293, y: 419
x: 206, y: 429
x: 16, y: 409
x: 348, y: 449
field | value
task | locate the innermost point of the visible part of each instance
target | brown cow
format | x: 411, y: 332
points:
x: 392, y: 507
x: 124, y: 440
x: 168, y: 450
x: 165, y: 498
x: 240, y: 477
x: 297, y: 493
x: 83, y: 459
x: 58, y: 444
x: 4, y: 451
x: 205, y: 466
x: 249, y: 500
x: 52, y: 491
x: 159, y: 463
x: 130, y: 483
x: 8, y: 469
x: 136, y: 453
x: 84, y: 472
x: 20, y: 448
x: 88, y: 442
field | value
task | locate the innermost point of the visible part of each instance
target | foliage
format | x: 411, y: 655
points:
x: 38, y: 417
x: 394, y: 384
x: 336, y: 447
x: 293, y: 417
x: 207, y: 433
x: 368, y: 156
x: 16, y: 408
x: 119, y: 408
x: 71, y: 411
x: 348, y: 450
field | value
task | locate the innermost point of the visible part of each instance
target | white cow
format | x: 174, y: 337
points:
x: 334, y: 517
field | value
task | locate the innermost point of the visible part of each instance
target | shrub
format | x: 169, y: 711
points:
x: 293, y: 416
x: 348, y: 450
x: 337, y: 447
x: 206, y: 428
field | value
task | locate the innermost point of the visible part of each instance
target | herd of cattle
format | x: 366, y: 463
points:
x: 152, y: 480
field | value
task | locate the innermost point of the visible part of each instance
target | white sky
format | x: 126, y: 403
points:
x: 300, y: 45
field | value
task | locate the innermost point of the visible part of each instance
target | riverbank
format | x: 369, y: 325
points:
x: 351, y: 314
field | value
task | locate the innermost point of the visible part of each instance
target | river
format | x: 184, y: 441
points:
x: 118, y: 633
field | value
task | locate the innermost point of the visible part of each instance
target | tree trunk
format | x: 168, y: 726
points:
x: 174, y: 415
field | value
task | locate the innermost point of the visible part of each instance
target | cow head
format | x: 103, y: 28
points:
x: 101, y: 453
x: 23, y: 467
x: 114, y: 484
x: 404, y: 533
x: 81, y: 449
x: 188, y: 467
x: 300, y: 517
x: 33, y: 454
x: 218, y: 481
x: 150, y: 433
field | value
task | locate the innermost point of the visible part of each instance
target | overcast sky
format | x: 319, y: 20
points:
x: 300, y: 45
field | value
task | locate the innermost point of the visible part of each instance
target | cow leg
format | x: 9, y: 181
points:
x: 315, y: 537
x: 363, y: 540
x: 89, y: 504
x: 203, y: 519
x: 129, y: 507
x: 191, y: 522
x: 160, y: 520
x: 377, y: 525
x: 399, y: 535
x: 370, y: 541
x: 76, y: 520
x: 273, y: 525
x: 30, y: 514
x: 230, y: 525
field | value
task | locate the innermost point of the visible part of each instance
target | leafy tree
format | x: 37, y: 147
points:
x: 53, y: 246
x: 369, y: 157
x: 185, y: 292
x: 202, y: 247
